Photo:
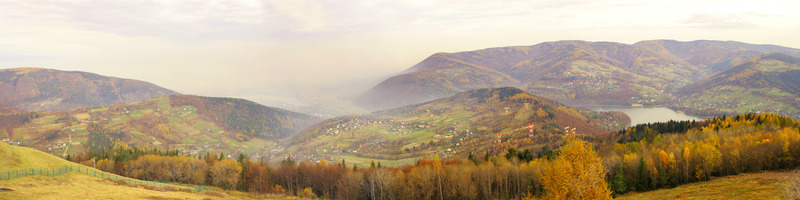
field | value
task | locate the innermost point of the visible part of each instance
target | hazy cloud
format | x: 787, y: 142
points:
x: 724, y: 21
x: 269, y: 48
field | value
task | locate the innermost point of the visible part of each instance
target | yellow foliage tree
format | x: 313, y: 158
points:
x: 577, y: 173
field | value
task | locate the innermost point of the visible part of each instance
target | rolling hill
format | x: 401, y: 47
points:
x: 765, y: 84
x: 74, y: 185
x: 15, y: 157
x: 470, y: 121
x: 47, y: 90
x: 573, y: 72
x: 191, y: 124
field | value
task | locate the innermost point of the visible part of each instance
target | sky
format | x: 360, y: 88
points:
x: 277, y: 51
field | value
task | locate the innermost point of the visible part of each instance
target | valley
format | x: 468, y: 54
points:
x: 507, y: 108
x: 397, y: 100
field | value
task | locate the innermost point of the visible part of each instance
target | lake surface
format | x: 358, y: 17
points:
x: 642, y: 115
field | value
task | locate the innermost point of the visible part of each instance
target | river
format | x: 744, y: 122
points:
x: 642, y: 115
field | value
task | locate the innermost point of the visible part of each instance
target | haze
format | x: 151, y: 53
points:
x: 283, y: 53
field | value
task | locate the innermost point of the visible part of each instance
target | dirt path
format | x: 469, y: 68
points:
x: 68, y: 145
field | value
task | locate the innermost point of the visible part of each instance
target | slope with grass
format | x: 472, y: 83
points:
x: 765, y: 185
x: 15, y: 157
x: 75, y: 185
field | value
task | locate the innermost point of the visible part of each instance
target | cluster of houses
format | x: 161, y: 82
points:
x: 732, y: 105
x: 9, y: 141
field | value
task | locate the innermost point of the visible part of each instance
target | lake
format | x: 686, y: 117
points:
x: 642, y: 115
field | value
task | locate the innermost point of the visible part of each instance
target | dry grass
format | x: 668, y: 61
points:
x: 765, y: 185
x: 15, y: 157
x: 792, y: 187
x: 75, y: 185
x: 78, y: 186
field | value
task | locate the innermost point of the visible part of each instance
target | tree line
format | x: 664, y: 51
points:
x: 588, y: 168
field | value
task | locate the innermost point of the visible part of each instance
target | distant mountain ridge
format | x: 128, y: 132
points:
x: 48, y: 90
x: 770, y: 83
x: 575, y: 72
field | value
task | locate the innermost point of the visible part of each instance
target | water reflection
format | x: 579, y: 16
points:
x: 641, y: 115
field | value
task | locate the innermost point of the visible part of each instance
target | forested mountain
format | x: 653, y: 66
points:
x: 247, y: 117
x: 48, y: 90
x: 770, y: 83
x: 482, y: 120
x: 573, y: 72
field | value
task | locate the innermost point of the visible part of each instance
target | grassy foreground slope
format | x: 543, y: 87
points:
x: 78, y: 186
x: 14, y: 157
x: 73, y: 185
x: 766, y: 185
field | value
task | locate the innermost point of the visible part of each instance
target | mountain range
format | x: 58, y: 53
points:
x: 196, y: 125
x: 449, y: 104
x: 573, y: 72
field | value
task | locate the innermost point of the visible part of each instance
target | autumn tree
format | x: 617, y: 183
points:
x: 225, y: 173
x: 577, y: 173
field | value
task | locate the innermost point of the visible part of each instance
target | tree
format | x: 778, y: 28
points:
x: 618, y: 182
x: 709, y: 160
x: 349, y: 186
x: 307, y: 193
x: 278, y: 189
x: 106, y: 165
x: 577, y: 173
x: 642, y: 177
x: 225, y: 173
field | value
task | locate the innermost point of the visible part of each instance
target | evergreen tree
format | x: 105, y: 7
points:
x: 642, y: 178
x: 618, y: 182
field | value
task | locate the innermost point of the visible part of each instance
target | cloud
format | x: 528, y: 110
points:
x: 246, y: 47
x: 720, y: 21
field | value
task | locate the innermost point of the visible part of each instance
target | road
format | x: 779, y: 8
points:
x: 68, y: 145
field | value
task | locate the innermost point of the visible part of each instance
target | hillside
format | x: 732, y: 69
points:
x: 765, y: 84
x: 48, y: 90
x: 15, y: 157
x: 191, y: 124
x: 246, y: 117
x: 467, y: 122
x: 573, y: 72
x: 73, y: 185
x: 765, y: 185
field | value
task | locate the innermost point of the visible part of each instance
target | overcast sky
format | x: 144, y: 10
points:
x: 252, y: 49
